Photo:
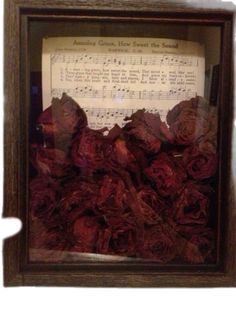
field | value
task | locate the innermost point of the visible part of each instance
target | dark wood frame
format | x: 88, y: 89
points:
x: 17, y: 270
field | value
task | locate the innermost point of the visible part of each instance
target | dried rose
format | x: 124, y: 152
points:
x: 167, y: 174
x: 139, y: 154
x: 147, y: 130
x: 112, y: 196
x: 56, y: 238
x: 191, y: 120
x: 123, y: 153
x: 200, y: 164
x: 88, y: 150
x: 59, y: 239
x: 61, y: 121
x: 150, y: 206
x: 207, y: 145
x: 79, y: 196
x: 119, y: 156
x: 158, y: 245
x: 203, y: 238
x: 85, y: 232
x: 174, y: 113
x: 44, y: 197
x: 208, y: 142
x: 192, y: 205
x: 120, y: 237
x: 50, y: 161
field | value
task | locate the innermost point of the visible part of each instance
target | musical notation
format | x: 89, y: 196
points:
x: 108, y: 113
x: 98, y: 117
x: 107, y: 77
x: 117, y: 93
x: 122, y: 60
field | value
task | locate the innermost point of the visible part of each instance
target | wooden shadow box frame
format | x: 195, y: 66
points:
x: 17, y: 269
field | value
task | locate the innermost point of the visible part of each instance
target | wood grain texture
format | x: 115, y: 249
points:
x: 17, y: 269
x: 11, y: 208
x: 123, y: 5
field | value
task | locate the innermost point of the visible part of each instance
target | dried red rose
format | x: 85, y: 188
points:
x: 206, y: 145
x: 79, y: 196
x: 158, y: 245
x: 120, y: 237
x: 208, y: 142
x: 203, y: 238
x: 190, y: 120
x: 200, y: 164
x: 112, y: 196
x: 192, y: 205
x: 50, y: 161
x: 117, y: 152
x: 139, y: 154
x: 88, y: 151
x: 167, y: 174
x: 59, y: 239
x: 44, y: 197
x: 85, y: 231
x: 123, y: 153
x: 61, y: 121
x: 147, y: 130
x: 150, y: 206
x: 175, y: 112
x: 56, y: 238
x: 119, y: 155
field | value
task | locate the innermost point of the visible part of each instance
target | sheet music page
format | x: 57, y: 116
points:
x: 111, y: 77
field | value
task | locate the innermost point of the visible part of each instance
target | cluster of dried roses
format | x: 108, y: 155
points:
x: 142, y: 191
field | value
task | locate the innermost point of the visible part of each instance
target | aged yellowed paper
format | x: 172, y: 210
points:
x: 111, y: 77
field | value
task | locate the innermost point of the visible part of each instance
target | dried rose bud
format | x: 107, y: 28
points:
x: 61, y: 121
x: 203, y: 238
x: 158, y: 245
x: 167, y: 174
x: 88, y: 150
x: 120, y: 237
x: 148, y: 130
x: 118, y: 155
x: 78, y: 197
x: 112, y: 197
x: 192, y: 205
x: 191, y: 120
x: 175, y: 112
x: 150, y: 205
x: 200, y: 164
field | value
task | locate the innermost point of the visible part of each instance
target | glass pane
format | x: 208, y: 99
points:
x: 123, y: 142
